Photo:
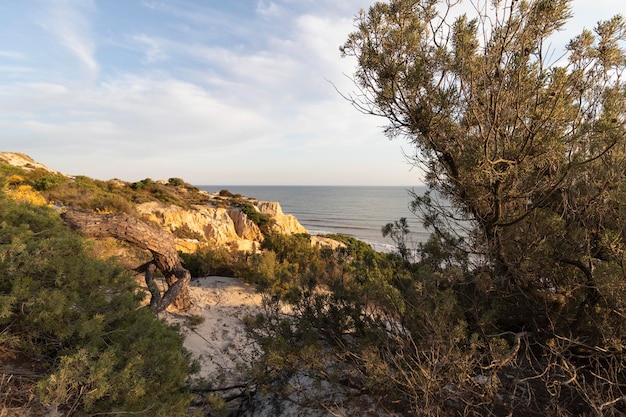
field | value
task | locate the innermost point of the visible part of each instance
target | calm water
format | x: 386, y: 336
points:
x: 354, y: 211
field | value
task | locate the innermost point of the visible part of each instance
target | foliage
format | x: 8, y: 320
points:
x: 291, y: 248
x: 102, y: 196
x: 79, y: 321
x: 399, y: 231
x: 185, y: 232
x: 258, y: 218
x: 24, y: 193
x: 176, y: 182
x: 531, y: 152
x: 146, y: 182
x: 356, y: 314
x: 527, y: 150
x: 207, y: 261
x: 225, y: 193
x: 48, y: 182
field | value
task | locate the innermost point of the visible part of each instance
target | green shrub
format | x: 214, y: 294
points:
x: 357, y: 312
x: 142, y: 184
x: 184, y: 232
x: 48, y: 182
x: 79, y: 320
x: 208, y: 261
x: 225, y: 193
x: 258, y: 218
x: 291, y: 248
x: 176, y: 182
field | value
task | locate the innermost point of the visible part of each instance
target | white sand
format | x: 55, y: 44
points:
x: 220, y: 342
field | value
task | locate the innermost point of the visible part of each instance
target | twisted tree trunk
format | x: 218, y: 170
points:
x: 160, y: 243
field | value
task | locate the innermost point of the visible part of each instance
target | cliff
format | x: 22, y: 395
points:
x: 282, y: 223
x: 194, y: 217
x: 23, y: 161
x: 219, y: 226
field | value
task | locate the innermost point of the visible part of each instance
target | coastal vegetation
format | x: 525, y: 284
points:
x: 524, y: 151
x: 72, y: 335
x: 514, y: 306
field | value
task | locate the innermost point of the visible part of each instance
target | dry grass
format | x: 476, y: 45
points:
x: 17, y: 393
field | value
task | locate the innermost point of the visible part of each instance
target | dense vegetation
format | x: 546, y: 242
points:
x: 102, y: 196
x: 514, y: 307
x: 516, y: 304
x: 72, y: 334
x: 524, y: 151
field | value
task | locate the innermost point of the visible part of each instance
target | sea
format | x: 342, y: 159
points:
x: 357, y: 211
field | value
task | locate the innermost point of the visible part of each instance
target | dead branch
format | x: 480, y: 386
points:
x: 159, y: 242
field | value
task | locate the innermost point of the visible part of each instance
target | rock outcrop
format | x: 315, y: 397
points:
x: 216, y: 225
x: 17, y: 159
x: 245, y: 228
x: 209, y: 223
x: 282, y: 223
x: 221, y: 224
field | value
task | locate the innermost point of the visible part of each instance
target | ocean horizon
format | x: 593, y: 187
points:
x: 357, y: 211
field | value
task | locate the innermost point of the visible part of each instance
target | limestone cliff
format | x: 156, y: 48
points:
x: 245, y: 228
x: 193, y: 216
x: 283, y: 223
x: 227, y: 226
x: 209, y: 223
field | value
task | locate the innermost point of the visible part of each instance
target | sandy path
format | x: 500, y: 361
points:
x: 220, y: 342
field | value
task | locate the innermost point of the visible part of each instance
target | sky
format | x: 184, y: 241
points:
x: 228, y: 92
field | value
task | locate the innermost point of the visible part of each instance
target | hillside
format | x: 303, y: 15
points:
x: 218, y: 225
x: 194, y: 217
x: 285, y: 327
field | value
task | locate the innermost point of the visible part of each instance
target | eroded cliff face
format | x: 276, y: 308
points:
x: 245, y: 228
x: 216, y: 219
x: 283, y: 223
x: 217, y: 226
x: 211, y: 224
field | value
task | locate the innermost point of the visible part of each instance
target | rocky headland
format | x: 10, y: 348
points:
x: 195, y: 218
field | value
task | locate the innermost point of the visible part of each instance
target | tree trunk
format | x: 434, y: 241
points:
x: 160, y: 243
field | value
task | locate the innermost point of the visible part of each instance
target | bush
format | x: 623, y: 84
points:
x: 48, y: 182
x: 185, y: 232
x: 225, y: 193
x: 258, y: 218
x: 142, y: 184
x: 208, y: 261
x: 79, y: 321
x: 396, y: 330
x: 176, y: 182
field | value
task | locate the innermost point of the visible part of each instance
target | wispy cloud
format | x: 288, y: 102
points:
x: 153, y: 48
x: 69, y: 20
x: 269, y: 9
x: 231, y: 92
x: 15, y: 55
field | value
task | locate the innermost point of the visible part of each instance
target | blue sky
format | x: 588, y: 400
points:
x: 215, y: 92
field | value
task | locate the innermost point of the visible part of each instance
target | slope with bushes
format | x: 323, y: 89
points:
x: 72, y: 334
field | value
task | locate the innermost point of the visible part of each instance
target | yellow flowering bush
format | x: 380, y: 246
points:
x: 26, y: 194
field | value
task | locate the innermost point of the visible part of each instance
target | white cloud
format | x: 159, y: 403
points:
x: 241, y: 105
x: 153, y: 48
x: 269, y: 9
x: 133, y: 113
x: 25, y: 98
x: 69, y: 20
x: 15, y: 71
